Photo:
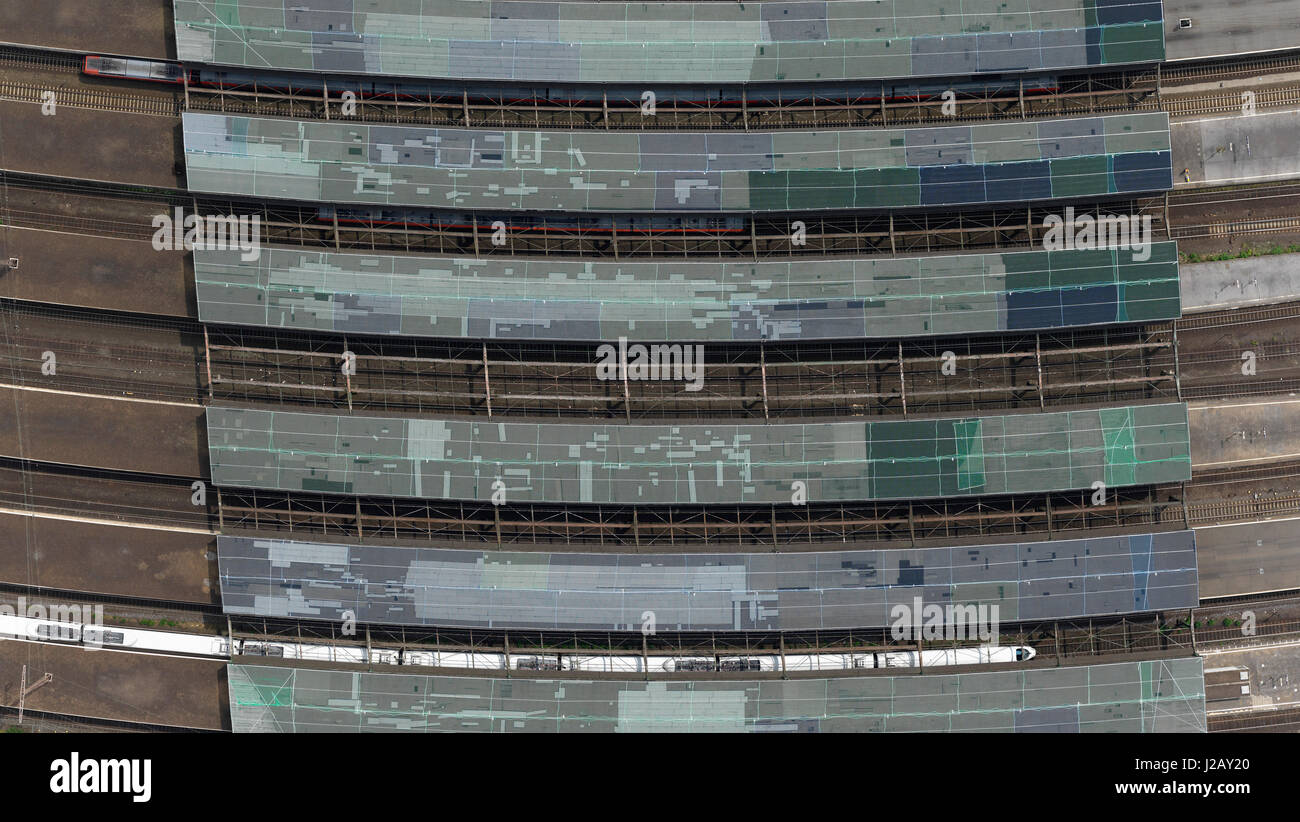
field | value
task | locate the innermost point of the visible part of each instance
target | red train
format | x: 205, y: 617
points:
x: 155, y: 71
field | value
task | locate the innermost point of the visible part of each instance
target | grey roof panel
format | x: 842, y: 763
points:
x: 1164, y: 696
x: 668, y: 171
x: 699, y: 463
x: 434, y: 587
x: 662, y: 42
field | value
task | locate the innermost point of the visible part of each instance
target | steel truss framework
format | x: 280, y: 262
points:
x: 740, y: 380
x: 1072, y: 641
x: 1172, y: 633
x: 1210, y: 497
x: 782, y: 527
x: 753, y: 236
x: 715, y: 528
x: 758, y: 237
x: 480, y: 106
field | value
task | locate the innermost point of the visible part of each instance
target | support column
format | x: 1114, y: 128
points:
x: 902, y: 378
x: 1178, y: 377
x: 487, y: 383
x: 207, y: 359
x: 1038, y: 357
x: 627, y: 393
x: 347, y: 378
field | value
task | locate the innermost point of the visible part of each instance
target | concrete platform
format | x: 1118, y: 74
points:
x: 108, y: 559
x: 1248, y: 558
x: 82, y: 430
x: 1272, y: 676
x: 87, y: 144
x: 1222, y: 27
x: 1235, y: 432
x: 133, y: 28
x: 1241, y: 282
x: 97, y: 272
x: 1232, y: 148
x: 116, y: 685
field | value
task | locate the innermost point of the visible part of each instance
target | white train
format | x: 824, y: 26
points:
x: 172, y: 643
x: 112, y: 637
x: 801, y: 662
x: 140, y: 640
x: 909, y: 659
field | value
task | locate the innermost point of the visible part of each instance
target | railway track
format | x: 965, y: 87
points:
x: 740, y: 381
x: 39, y: 58
x: 1237, y: 316
x: 1263, y: 720
x: 1145, y: 632
x: 49, y: 722
x: 96, y: 99
x: 673, y: 529
x: 1210, y: 70
x: 1236, y: 228
x: 98, y: 353
x: 165, y: 501
x: 102, y: 494
x: 1079, y: 94
x: 1232, y: 194
x: 1072, y: 642
x: 177, y: 360
x: 1223, y: 495
x: 1212, y: 625
x: 1229, y: 102
x: 1079, y: 97
x: 125, y: 212
x: 797, y: 113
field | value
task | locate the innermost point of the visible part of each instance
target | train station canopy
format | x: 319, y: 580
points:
x: 682, y: 172
x: 1165, y: 696
x: 701, y: 42
x: 791, y: 590
x: 698, y: 463
x: 506, y: 298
